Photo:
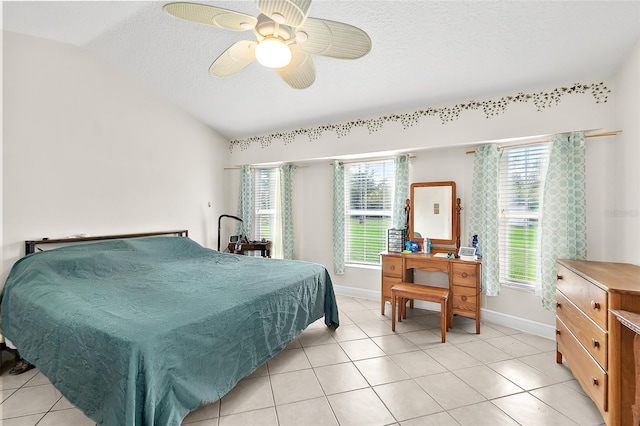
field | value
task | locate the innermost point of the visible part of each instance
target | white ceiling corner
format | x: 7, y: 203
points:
x: 424, y: 53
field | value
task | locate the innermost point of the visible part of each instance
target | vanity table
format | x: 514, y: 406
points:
x: 464, y: 279
x: 435, y: 214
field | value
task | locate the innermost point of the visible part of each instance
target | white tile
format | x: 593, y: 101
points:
x: 381, y: 370
x: 295, y: 386
x: 340, y: 378
x: 425, y: 339
x: 574, y: 405
x: 8, y: 381
x: 348, y: 332
x: 546, y: 362
x: 418, y: 363
x: 439, y: 419
x: 30, y: 400
x: 326, y: 355
x: 365, y: 316
x: 263, y: 417
x: 487, y: 382
x: 484, y: 352
x: 248, y: 394
x: 408, y: 325
x: 288, y: 360
x: 527, y: 410
x: 62, y: 404
x: 372, y: 411
x: 394, y: 344
x: 539, y: 342
x: 316, y: 336
x: 406, y: 400
x: 452, y: 358
x: 483, y: 414
x: 512, y: 346
x: 69, y: 417
x: 522, y: 375
x: 204, y: 412
x: 361, y: 349
x: 31, y: 420
x: 38, y: 379
x: 315, y: 412
x: 449, y: 391
x: 354, y: 306
x: 259, y: 372
x: 376, y: 328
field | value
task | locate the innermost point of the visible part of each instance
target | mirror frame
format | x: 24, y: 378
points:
x: 455, y: 238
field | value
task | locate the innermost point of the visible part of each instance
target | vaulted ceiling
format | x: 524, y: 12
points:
x: 424, y: 53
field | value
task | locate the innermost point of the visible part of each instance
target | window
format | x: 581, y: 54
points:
x: 521, y: 181
x: 264, y: 219
x: 368, y: 210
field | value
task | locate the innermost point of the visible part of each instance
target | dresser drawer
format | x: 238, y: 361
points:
x: 387, y: 283
x: 592, y: 378
x: 588, y: 333
x: 392, y: 266
x: 463, y: 274
x: 589, y: 298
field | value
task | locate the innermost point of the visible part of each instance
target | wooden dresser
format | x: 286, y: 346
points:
x: 597, y: 348
x: 464, y: 279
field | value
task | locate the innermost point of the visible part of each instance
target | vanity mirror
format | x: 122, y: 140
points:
x: 435, y: 213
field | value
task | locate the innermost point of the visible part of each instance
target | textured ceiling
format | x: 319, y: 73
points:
x: 424, y: 53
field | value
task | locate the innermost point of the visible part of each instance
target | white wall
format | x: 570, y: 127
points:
x: 622, y: 210
x: 440, y: 156
x: 88, y: 150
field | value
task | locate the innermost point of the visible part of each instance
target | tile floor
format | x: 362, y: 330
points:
x: 364, y: 374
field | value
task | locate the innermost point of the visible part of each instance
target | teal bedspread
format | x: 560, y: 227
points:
x: 140, y: 332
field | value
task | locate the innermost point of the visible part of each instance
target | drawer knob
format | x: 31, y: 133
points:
x: 393, y: 267
x: 558, y: 305
x: 594, y: 380
x: 595, y: 343
x: 464, y: 298
x: 595, y: 305
x: 465, y: 275
x: 559, y: 277
x: 557, y: 332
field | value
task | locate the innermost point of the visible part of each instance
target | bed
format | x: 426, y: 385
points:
x: 143, y: 331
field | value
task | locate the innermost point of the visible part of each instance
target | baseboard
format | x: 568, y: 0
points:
x: 523, y: 324
x: 506, y: 320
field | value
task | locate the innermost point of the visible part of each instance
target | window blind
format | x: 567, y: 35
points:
x: 521, y: 181
x: 368, y: 210
x: 265, y: 185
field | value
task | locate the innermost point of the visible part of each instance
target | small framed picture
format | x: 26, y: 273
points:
x: 467, y: 253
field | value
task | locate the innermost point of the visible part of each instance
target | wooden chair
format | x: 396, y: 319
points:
x: 403, y: 291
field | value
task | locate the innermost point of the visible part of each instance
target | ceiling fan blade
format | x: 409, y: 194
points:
x: 209, y: 15
x: 301, y: 72
x: 334, y: 39
x: 235, y: 58
x: 293, y: 12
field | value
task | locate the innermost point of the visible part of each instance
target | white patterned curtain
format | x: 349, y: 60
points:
x: 484, y: 214
x: 401, y: 190
x: 245, y: 203
x: 564, y: 210
x: 284, y: 212
x: 338, y: 218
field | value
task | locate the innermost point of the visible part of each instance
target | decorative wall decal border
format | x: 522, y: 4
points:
x: 491, y: 108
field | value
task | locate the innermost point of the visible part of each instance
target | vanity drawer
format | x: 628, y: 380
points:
x: 464, y: 304
x: 392, y: 267
x: 464, y: 275
x: 588, y: 333
x: 594, y: 380
x: 588, y: 297
x: 387, y: 283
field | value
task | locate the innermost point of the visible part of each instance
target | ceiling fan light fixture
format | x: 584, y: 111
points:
x: 273, y: 52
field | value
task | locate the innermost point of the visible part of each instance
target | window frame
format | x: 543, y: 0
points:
x: 371, y: 247
x: 528, y: 258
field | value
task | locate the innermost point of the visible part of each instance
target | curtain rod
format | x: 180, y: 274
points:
x: 263, y: 167
x: 364, y: 160
x: 594, y: 135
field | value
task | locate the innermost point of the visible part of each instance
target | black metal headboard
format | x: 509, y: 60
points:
x: 30, y: 245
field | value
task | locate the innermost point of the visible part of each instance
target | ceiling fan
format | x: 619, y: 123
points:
x: 286, y: 38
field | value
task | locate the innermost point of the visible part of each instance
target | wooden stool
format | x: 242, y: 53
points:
x: 402, y: 291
